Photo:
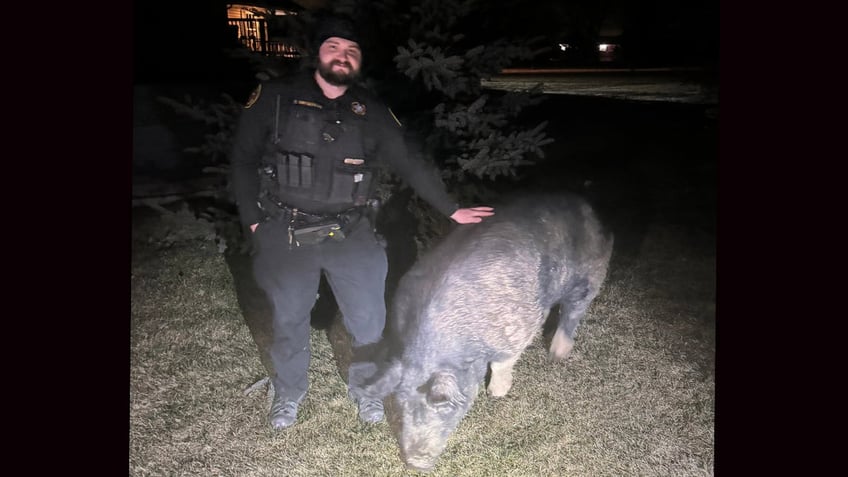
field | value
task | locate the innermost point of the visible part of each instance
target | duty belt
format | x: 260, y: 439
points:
x: 300, y: 216
x: 307, y: 228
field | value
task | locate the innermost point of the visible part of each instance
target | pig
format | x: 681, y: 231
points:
x: 472, y: 304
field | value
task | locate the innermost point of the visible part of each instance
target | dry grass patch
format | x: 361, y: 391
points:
x: 636, y: 397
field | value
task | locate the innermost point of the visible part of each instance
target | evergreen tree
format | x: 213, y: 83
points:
x: 427, y: 60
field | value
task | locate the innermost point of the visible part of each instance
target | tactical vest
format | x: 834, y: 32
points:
x: 316, y: 159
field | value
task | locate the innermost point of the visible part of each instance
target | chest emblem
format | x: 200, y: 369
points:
x: 310, y: 104
x: 358, y: 108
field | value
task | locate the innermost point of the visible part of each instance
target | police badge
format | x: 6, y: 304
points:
x: 357, y: 108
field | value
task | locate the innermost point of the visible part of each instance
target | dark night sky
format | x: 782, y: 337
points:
x: 179, y: 40
x: 183, y: 40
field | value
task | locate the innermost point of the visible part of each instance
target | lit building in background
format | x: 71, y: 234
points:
x: 608, y: 52
x: 250, y: 24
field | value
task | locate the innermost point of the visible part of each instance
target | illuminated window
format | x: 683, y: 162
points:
x: 250, y: 25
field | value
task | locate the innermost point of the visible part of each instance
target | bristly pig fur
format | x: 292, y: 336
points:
x: 474, y: 303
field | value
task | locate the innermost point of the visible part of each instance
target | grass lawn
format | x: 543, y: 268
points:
x: 636, y: 396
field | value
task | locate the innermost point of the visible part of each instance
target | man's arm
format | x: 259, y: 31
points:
x: 423, y: 177
x: 245, y: 157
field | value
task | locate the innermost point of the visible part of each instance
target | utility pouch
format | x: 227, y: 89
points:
x: 294, y: 170
x: 351, y: 182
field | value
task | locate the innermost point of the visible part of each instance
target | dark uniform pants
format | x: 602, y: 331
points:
x: 356, y: 271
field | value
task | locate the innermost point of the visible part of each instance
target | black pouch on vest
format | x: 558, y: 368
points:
x: 351, y: 182
x: 295, y: 170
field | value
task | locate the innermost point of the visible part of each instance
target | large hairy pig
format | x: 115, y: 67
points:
x: 474, y: 303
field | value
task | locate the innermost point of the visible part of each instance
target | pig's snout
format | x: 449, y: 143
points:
x: 420, y: 464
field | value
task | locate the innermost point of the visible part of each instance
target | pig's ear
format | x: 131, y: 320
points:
x: 384, y: 381
x: 443, y: 390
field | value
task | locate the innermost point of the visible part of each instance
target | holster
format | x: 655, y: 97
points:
x: 310, y: 229
x: 314, y: 234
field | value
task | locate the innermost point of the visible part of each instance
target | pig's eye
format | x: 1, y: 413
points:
x: 443, y: 403
x: 442, y: 391
x: 439, y: 399
x: 444, y: 407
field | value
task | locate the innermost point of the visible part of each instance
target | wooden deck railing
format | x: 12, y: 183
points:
x: 253, y: 33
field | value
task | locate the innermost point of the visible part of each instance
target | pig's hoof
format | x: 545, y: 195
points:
x: 499, y: 389
x: 561, y: 345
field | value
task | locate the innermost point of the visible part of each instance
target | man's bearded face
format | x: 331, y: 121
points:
x: 339, y: 61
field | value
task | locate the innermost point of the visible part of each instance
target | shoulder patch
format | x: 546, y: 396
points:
x: 253, y: 96
x: 394, y: 117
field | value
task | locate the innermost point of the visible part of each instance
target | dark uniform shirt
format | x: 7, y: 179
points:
x: 381, y: 139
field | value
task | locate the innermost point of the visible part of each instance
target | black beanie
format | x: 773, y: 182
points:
x: 334, y: 26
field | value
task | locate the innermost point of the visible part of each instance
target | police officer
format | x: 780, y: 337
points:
x: 304, y: 162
